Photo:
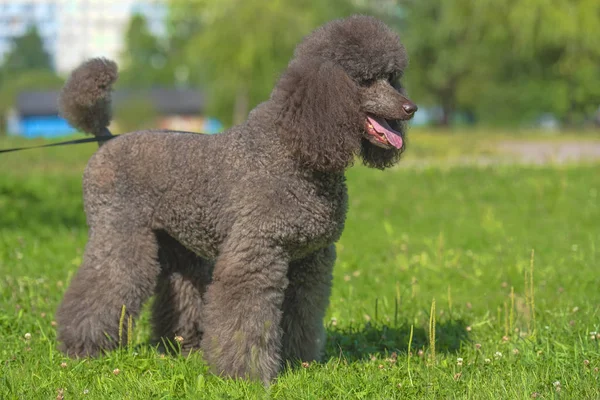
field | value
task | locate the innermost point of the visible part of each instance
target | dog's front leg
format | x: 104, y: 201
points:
x: 305, y: 304
x: 242, y: 315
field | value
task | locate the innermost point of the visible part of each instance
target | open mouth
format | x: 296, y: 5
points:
x: 381, y: 132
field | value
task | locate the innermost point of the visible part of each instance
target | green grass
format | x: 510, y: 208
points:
x: 462, y: 236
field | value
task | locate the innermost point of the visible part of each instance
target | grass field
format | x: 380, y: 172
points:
x: 464, y: 282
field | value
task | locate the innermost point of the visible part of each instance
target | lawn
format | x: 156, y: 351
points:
x: 467, y: 281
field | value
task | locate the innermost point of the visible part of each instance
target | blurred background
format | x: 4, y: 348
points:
x: 201, y: 65
x: 506, y: 89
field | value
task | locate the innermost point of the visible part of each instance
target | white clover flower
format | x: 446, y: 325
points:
x: 459, y: 361
x: 498, y: 354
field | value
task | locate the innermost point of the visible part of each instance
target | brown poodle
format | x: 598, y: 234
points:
x: 233, y: 233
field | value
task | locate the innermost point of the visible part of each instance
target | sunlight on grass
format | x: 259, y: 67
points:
x: 509, y: 253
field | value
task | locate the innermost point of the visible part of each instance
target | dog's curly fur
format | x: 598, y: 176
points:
x: 85, y: 99
x: 234, y: 233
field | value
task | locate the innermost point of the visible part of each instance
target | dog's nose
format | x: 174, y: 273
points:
x: 410, y: 108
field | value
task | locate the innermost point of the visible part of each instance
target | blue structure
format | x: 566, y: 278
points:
x: 35, y: 114
x: 51, y: 126
x: 212, y: 126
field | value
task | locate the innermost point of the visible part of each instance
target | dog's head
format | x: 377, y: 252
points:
x: 341, y: 96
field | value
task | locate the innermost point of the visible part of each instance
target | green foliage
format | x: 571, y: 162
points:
x: 561, y: 41
x: 26, y: 80
x: 136, y: 114
x: 506, y: 61
x: 26, y: 67
x: 442, y: 48
x: 460, y: 235
x: 145, y: 61
x: 242, y: 46
x: 27, y: 53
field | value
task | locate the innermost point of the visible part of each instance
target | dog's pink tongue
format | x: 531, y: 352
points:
x: 391, y: 135
x: 394, y: 139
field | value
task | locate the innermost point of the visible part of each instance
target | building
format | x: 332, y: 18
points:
x: 36, y: 113
x: 93, y: 28
x: 75, y: 30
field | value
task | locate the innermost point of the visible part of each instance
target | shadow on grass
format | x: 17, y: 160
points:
x: 358, y: 343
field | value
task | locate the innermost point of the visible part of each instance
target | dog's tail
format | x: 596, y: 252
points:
x: 85, y: 100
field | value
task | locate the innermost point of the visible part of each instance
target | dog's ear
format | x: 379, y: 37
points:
x: 319, y: 120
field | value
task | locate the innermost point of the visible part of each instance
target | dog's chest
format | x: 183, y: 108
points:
x: 315, y: 218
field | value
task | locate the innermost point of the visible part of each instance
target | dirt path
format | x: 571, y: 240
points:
x: 525, y: 152
x: 531, y: 152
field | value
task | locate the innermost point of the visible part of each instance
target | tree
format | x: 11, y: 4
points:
x: 27, y: 66
x: 136, y: 114
x: 184, y: 23
x: 506, y: 61
x: 145, y: 61
x: 27, y: 54
x: 27, y: 80
x: 242, y: 46
x: 442, y: 47
x: 560, y: 41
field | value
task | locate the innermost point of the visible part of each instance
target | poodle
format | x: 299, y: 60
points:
x: 233, y: 233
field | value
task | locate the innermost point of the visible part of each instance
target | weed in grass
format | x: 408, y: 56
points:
x: 121, y: 321
x: 432, y: 332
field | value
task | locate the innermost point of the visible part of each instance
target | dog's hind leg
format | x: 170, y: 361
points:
x: 176, y: 311
x: 306, y: 300
x: 118, y: 272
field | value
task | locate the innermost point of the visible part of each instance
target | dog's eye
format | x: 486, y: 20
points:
x: 367, y: 82
x: 392, y: 78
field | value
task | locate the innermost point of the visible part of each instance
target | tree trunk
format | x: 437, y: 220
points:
x: 447, y: 114
x: 242, y: 102
x: 447, y: 98
x: 570, y: 117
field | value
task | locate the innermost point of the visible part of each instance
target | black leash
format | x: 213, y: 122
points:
x: 76, y: 141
